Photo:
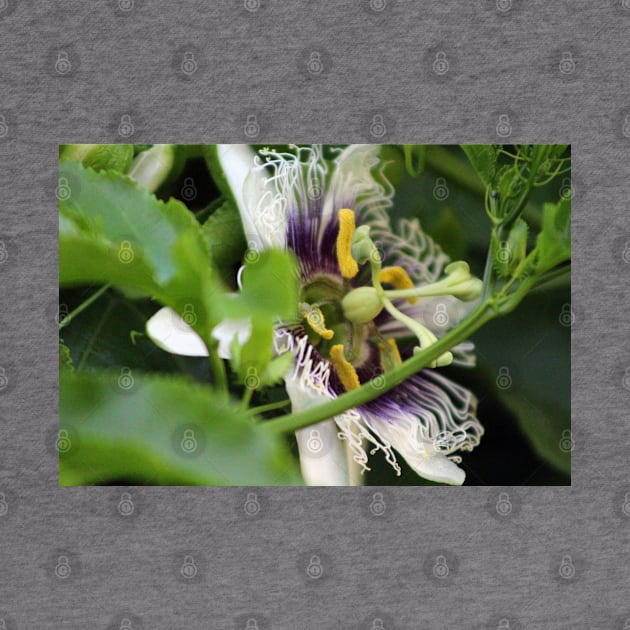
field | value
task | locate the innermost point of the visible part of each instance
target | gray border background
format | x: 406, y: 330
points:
x: 375, y: 59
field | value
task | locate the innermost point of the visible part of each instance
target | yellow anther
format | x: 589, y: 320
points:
x: 390, y: 356
x: 399, y: 278
x: 347, y: 265
x: 315, y: 319
x: 345, y: 370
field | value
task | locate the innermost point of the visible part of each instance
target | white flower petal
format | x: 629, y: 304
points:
x: 403, y: 434
x: 237, y: 162
x: 225, y: 332
x: 322, y: 453
x: 351, y: 178
x: 260, y: 201
x: 171, y: 333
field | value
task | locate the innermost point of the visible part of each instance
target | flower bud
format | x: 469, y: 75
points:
x: 361, y: 305
x: 362, y: 245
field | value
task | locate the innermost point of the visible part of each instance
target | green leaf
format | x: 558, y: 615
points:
x: 532, y: 348
x: 115, y: 208
x: 546, y: 426
x: 162, y: 431
x: 269, y: 293
x: 110, y: 157
x: 256, y: 353
x: 224, y: 234
x: 100, y: 157
x: 448, y: 231
x: 483, y: 158
x: 107, y: 336
x: 554, y: 240
x: 415, y: 158
x: 113, y: 231
x: 278, y: 368
x: 65, y: 360
x: 270, y: 286
x: 508, y: 254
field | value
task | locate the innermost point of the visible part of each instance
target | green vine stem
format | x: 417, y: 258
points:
x: 498, y: 305
x: 443, y: 162
x: 85, y: 304
x: 386, y: 381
